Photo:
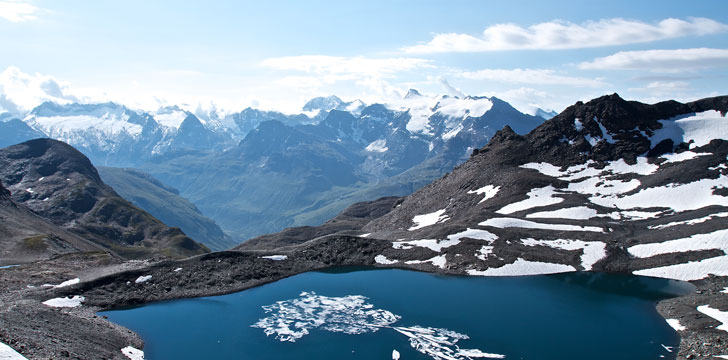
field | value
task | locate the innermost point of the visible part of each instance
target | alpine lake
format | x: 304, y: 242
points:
x: 359, y: 313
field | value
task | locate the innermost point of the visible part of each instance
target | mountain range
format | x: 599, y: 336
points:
x: 256, y: 172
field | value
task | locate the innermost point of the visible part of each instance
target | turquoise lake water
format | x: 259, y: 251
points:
x: 367, y: 314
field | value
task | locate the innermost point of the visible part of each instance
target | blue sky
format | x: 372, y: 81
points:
x: 278, y: 54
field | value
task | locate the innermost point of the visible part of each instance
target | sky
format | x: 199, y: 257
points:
x: 278, y: 54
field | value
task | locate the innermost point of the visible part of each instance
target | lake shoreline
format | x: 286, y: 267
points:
x: 38, y: 331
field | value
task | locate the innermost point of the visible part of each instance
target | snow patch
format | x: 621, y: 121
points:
x: 275, y: 257
x: 177, y: 269
x: 575, y: 213
x: 432, y: 244
x: 439, y: 261
x: 721, y: 316
x: 677, y: 197
x: 689, y: 222
x: 74, y: 301
x: 593, y: 251
x: 143, y: 279
x: 519, y: 223
x: 488, y: 191
x: 694, y: 270
x: 523, y: 267
x: 683, y: 156
x: 714, y: 240
x: 379, y: 146
x: 474, y: 234
x: 536, y: 197
x: 133, y: 353
x: 432, y: 218
x: 381, y: 259
x: 700, y: 128
x: 68, y: 283
x: 675, y: 324
x: 8, y: 353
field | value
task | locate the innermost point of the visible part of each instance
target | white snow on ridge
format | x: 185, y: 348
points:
x: 593, y: 251
x: 523, y: 267
x: 8, y: 353
x: 690, y: 222
x: 170, y: 117
x: 133, y: 353
x: 716, y: 314
x: 428, y: 219
x: 575, y: 213
x: 488, y: 191
x: 275, y: 257
x: 74, y: 301
x: 519, y: 223
x: 379, y: 146
x: 700, y: 128
x: 536, y: 197
x: 108, y: 124
x: 715, y: 240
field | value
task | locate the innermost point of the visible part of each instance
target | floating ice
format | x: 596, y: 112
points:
x: 290, y: 320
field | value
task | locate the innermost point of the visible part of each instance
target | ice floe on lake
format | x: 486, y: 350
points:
x: 290, y: 320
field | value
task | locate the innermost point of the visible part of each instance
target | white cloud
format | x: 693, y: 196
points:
x: 671, y: 61
x: 530, y: 76
x: 18, y: 11
x: 334, y: 68
x: 21, y: 92
x: 449, y: 89
x: 559, y: 34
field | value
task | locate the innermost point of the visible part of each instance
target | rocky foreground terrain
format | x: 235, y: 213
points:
x: 609, y: 185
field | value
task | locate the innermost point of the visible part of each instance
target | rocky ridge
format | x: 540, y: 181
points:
x: 58, y: 183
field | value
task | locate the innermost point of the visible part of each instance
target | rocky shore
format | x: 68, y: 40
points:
x: 41, y: 332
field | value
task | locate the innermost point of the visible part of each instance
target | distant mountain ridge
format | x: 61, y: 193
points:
x: 257, y: 171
